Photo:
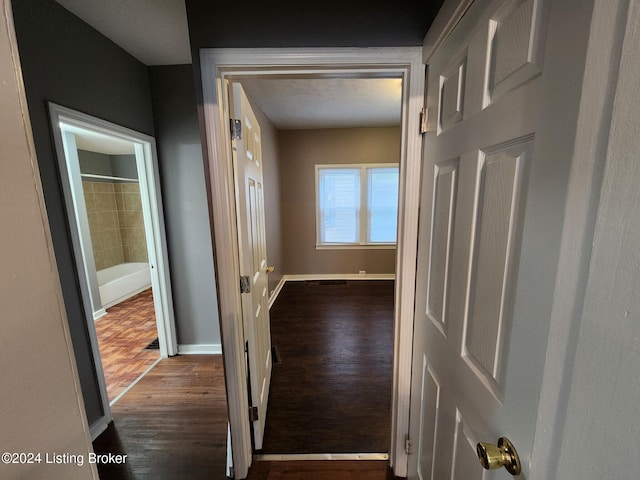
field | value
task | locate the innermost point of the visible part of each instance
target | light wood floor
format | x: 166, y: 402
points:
x: 123, y: 333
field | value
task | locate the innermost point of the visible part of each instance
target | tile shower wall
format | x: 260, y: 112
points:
x: 104, y: 224
x: 114, y: 212
x: 129, y: 203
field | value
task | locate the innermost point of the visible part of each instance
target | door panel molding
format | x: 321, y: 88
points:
x: 428, y: 439
x: 442, y: 232
x: 515, y: 46
x: 500, y: 190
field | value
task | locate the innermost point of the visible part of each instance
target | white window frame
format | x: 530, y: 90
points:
x: 364, y: 207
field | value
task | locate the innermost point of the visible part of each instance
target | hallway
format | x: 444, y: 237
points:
x: 171, y: 425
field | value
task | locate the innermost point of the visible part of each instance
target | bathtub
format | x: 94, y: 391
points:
x: 120, y: 282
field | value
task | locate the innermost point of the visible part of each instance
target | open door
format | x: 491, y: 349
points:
x: 503, y: 95
x: 247, y: 160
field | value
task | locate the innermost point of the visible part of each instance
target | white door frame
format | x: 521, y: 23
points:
x: 220, y: 65
x: 603, y: 61
x: 64, y: 121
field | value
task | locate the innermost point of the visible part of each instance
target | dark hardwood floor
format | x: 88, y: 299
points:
x: 171, y: 425
x: 332, y: 391
x: 321, y: 470
x: 330, y: 394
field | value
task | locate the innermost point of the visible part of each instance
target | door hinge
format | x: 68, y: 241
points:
x: 424, y: 120
x: 245, y: 284
x: 235, y: 126
x: 253, y: 414
x: 407, y: 445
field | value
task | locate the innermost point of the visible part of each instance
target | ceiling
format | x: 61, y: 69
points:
x: 327, y: 102
x: 153, y: 31
x: 156, y: 33
x: 100, y: 143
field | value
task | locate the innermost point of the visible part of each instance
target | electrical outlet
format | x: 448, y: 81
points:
x: 362, y: 272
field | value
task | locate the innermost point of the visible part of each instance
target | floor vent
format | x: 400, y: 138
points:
x: 155, y: 345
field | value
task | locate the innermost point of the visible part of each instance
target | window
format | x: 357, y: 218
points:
x: 357, y: 205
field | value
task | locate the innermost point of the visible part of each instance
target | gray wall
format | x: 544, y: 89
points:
x: 185, y: 205
x: 300, y: 151
x: 94, y: 163
x: 328, y: 23
x: 67, y: 62
x: 124, y: 166
x: 109, y: 165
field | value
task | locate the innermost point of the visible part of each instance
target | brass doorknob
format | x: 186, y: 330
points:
x: 270, y: 269
x: 502, y: 455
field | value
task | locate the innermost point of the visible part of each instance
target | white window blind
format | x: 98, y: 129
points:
x: 339, y: 200
x: 383, y: 205
x: 357, y: 204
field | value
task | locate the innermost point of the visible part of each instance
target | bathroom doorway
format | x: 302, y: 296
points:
x: 110, y: 180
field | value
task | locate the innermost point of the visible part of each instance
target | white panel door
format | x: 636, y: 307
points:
x: 502, y: 99
x: 247, y: 157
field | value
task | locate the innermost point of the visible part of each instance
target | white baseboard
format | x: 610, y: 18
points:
x: 98, y: 314
x: 296, y: 457
x: 327, y: 276
x: 200, y: 349
x: 276, y: 291
x: 340, y: 276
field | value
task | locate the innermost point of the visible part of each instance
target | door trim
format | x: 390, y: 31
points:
x: 219, y: 65
x: 608, y: 29
x: 62, y: 119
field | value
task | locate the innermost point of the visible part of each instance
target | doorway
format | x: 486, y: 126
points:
x: 218, y: 66
x: 109, y: 177
x: 330, y: 155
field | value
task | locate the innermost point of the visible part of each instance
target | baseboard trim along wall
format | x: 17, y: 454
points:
x: 340, y: 276
x: 276, y: 290
x: 200, y: 349
x: 327, y: 276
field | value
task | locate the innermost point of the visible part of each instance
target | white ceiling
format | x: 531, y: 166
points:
x: 153, y: 31
x: 327, y: 102
x: 156, y: 33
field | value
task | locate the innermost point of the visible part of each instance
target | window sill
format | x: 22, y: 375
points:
x: 357, y: 247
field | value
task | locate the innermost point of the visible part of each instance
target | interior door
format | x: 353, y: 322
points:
x: 247, y: 157
x: 503, y: 93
